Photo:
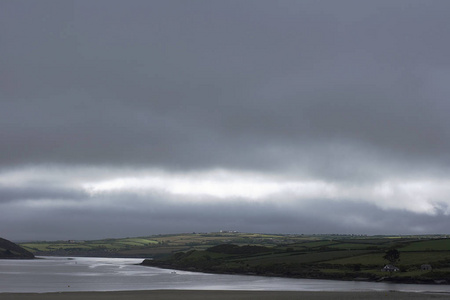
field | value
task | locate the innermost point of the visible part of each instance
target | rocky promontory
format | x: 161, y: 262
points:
x: 9, y: 250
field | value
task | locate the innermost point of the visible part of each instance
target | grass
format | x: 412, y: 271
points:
x: 315, y: 256
x: 352, y: 246
x: 365, y: 259
x: 330, y: 258
x: 302, y: 258
x: 429, y: 245
x: 316, y: 244
x: 158, y: 245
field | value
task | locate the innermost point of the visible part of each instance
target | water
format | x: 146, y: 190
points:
x: 62, y: 274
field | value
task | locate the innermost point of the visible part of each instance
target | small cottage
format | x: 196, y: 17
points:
x: 390, y: 268
x: 426, y: 267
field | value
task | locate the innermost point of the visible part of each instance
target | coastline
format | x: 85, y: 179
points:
x: 222, y: 295
x: 321, y: 276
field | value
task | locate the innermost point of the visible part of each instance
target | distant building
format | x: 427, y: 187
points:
x: 74, y: 241
x: 390, y: 268
x: 426, y: 267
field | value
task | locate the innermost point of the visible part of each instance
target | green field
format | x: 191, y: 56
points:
x: 329, y: 257
x: 73, y: 247
x: 429, y: 245
x: 156, y: 245
x: 309, y: 256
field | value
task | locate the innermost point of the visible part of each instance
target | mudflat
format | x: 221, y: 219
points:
x: 220, y: 295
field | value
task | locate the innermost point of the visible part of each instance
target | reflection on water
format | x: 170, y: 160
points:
x: 56, y: 274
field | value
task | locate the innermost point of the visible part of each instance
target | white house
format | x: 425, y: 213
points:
x: 390, y: 268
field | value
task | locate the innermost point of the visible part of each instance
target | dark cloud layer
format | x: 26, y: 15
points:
x: 322, y: 217
x: 350, y: 91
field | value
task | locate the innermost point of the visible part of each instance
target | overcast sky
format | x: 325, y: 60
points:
x: 131, y: 118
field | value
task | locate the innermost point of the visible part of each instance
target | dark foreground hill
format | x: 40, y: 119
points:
x: 10, y: 250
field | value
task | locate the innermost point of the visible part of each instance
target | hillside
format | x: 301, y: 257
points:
x: 160, y: 245
x: 163, y: 245
x: 349, y: 257
x: 9, y: 250
x: 342, y: 259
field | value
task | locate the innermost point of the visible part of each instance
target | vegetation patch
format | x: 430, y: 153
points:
x: 344, y: 257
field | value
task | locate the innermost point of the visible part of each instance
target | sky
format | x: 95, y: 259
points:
x: 133, y: 118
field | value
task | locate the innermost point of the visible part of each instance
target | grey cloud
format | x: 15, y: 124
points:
x: 14, y: 194
x: 158, y: 216
x: 107, y: 101
x: 348, y: 90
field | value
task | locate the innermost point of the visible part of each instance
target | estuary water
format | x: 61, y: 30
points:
x: 64, y: 274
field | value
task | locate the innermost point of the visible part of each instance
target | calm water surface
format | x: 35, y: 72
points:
x: 56, y: 274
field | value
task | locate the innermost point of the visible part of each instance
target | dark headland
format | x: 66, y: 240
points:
x: 9, y: 250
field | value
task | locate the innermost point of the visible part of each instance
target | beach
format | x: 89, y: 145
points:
x: 220, y: 295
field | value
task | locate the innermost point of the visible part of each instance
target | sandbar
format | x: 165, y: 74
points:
x: 220, y: 295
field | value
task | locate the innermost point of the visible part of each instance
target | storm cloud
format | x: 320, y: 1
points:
x: 142, y: 117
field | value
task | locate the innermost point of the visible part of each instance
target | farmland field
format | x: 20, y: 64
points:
x: 310, y: 256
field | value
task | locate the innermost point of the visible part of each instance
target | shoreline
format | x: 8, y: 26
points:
x: 223, y: 295
x: 157, y: 264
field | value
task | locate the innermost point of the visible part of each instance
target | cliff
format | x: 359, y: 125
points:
x: 10, y: 250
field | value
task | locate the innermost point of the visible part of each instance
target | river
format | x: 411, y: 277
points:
x: 64, y: 274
